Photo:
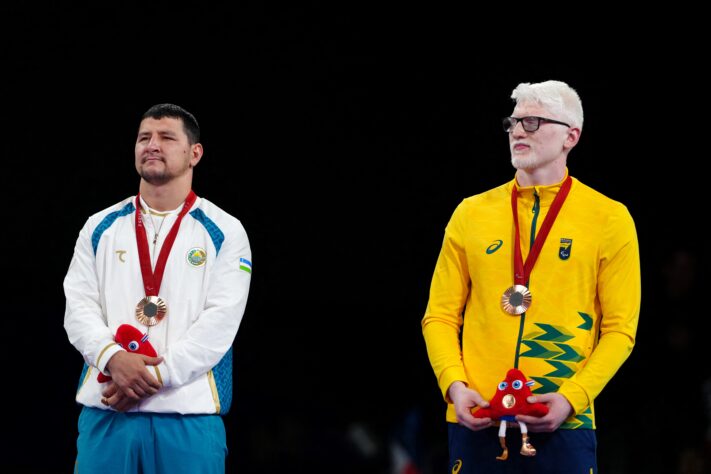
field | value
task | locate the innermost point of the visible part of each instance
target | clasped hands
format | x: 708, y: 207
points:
x: 131, y: 381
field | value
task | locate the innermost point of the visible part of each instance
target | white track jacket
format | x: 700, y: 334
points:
x: 205, y: 286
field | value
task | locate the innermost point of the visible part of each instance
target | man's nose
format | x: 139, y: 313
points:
x: 518, y: 130
x: 153, y: 143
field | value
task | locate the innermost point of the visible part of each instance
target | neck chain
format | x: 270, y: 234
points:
x: 155, y: 231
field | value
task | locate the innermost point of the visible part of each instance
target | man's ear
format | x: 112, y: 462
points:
x: 195, y: 154
x: 572, y: 139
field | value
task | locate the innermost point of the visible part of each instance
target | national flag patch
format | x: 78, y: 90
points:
x: 245, y: 265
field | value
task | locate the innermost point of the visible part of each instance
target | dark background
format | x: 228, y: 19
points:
x: 343, y: 139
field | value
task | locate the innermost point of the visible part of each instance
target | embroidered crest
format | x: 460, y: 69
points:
x: 566, y: 246
x: 197, y: 257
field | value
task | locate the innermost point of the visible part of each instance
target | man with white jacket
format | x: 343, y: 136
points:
x: 177, y: 269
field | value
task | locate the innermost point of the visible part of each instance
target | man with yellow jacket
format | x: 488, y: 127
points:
x: 540, y: 274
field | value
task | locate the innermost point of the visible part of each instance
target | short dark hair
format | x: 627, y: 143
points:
x: 190, y: 124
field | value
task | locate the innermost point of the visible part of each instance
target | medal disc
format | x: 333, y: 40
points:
x: 151, y: 310
x: 516, y: 300
x: 508, y: 401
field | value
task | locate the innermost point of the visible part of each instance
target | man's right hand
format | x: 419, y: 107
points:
x: 129, y: 373
x: 464, y: 400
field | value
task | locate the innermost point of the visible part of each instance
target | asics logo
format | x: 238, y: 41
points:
x: 494, y: 247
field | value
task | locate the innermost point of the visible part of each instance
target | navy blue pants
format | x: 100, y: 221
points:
x: 560, y: 452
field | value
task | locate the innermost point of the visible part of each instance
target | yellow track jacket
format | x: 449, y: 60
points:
x: 585, y: 286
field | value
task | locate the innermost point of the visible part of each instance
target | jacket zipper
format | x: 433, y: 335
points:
x: 536, y: 210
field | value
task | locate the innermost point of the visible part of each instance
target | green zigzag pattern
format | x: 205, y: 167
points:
x: 541, y: 350
x: 579, y: 421
x: 563, y: 370
x: 548, y: 343
x: 553, y: 333
x: 532, y: 335
x: 587, y: 321
x: 546, y: 385
x: 570, y: 353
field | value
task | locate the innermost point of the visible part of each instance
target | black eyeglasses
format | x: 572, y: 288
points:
x: 530, y: 123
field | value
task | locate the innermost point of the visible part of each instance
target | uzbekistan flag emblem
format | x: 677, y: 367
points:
x: 245, y: 265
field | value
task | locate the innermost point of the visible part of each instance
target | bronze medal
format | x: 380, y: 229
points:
x: 516, y: 300
x: 151, y: 310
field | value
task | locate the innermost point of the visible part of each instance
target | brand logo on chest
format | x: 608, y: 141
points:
x: 494, y: 247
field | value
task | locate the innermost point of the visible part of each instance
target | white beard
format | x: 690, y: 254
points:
x: 525, y: 162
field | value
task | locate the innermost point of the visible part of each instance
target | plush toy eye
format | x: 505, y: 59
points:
x: 133, y: 346
x: 517, y: 384
x: 503, y: 385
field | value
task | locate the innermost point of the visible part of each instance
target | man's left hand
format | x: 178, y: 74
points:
x: 559, y: 409
x: 113, y: 397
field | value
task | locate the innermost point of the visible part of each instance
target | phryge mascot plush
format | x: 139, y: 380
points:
x: 511, y: 400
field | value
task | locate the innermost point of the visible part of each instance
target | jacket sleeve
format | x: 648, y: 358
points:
x: 84, y: 319
x: 443, y: 320
x: 619, y: 295
x: 212, y: 334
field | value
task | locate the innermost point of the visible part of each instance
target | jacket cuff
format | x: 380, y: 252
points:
x: 161, y: 373
x: 576, y: 395
x: 448, y: 377
x: 105, y: 355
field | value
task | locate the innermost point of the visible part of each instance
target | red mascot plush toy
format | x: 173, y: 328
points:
x: 132, y: 340
x: 511, y: 400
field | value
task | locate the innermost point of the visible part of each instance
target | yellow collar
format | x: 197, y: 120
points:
x: 546, y: 193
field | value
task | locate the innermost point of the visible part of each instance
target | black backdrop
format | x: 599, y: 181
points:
x: 343, y: 140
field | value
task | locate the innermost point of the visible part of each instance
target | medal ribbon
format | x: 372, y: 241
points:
x: 151, y: 279
x: 523, y: 271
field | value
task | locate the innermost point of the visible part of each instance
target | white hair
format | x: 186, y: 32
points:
x: 555, y: 96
